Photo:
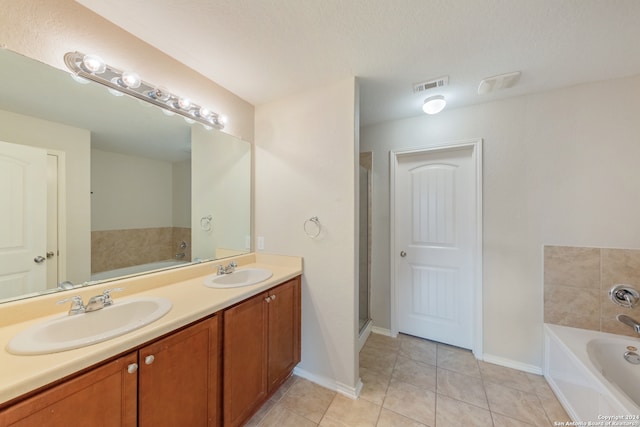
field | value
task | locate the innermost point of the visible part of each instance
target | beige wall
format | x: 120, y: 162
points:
x: 181, y: 173
x: 46, y: 29
x: 305, y: 166
x: 221, y: 188
x: 75, y: 144
x: 560, y: 168
x: 130, y: 192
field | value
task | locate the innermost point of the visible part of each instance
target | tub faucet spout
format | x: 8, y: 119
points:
x: 629, y: 321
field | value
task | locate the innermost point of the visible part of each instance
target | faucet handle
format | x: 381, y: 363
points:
x: 106, y: 294
x: 77, y: 305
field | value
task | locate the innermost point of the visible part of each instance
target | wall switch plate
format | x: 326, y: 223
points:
x: 260, y: 242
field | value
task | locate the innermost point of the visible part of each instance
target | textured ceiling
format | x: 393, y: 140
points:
x: 266, y: 49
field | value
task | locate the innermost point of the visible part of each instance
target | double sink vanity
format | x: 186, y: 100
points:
x: 185, y: 346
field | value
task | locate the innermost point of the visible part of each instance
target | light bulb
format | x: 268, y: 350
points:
x: 183, y: 103
x: 161, y: 94
x: 115, y: 92
x: 79, y: 79
x: 434, y: 104
x: 223, y: 119
x: 130, y: 80
x: 93, y: 64
x: 188, y: 120
x: 204, y: 112
x: 112, y: 91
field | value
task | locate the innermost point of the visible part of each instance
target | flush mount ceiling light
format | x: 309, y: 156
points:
x: 92, y: 67
x: 434, y: 104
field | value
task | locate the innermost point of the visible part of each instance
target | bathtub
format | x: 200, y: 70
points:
x: 136, y: 269
x: 589, y: 374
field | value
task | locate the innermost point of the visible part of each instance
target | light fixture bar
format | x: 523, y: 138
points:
x: 93, y: 68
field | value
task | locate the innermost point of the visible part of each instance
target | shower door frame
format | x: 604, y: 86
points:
x: 366, y: 161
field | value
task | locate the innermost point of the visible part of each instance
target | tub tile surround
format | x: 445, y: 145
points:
x: 184, y: 286
x: 577, y: 281
x: 459, y: 391
x: 112, y: 249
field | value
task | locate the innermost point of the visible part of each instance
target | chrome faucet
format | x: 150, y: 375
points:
x: 629, y: 321
x: 96, y: 302
x: 67, y: 284
x: 228, y: 269
x: 77, y: 306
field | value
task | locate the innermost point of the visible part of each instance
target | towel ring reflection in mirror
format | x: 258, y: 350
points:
x: 205, y: 222
x: 312, y: 227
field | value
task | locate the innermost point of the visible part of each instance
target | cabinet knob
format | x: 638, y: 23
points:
x: 132, y: 368
x: 273, y: 297
x: 267, y: 299
x: 149, y: 359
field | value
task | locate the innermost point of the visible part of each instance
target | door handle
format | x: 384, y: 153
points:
x: 39, y: 259
x: 403, y: 254
x: 50, y: 254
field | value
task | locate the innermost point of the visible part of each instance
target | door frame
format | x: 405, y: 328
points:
x: 394, y: 156
x: 61, y: 256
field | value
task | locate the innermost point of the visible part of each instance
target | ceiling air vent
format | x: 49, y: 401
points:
x: 430, y: 84
x: 503, y: 81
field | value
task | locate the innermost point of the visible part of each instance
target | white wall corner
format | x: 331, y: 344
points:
x: 331, y: 384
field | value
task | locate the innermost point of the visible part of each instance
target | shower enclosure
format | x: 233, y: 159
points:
x: 364, y: 293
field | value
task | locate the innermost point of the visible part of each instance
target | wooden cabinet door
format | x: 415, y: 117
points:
x: 284, y: 331
x: 179, y: 378
x: 244, y: 359
x: 105, y: 396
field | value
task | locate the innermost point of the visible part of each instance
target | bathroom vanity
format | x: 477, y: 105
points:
x: 214, y: 359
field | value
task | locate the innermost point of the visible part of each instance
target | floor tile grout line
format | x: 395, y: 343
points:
x: 324, y: 414
x: 486, y: 395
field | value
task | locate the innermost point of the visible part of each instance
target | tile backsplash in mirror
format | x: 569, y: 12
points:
x: 115, y: 249
x: 577, y: 281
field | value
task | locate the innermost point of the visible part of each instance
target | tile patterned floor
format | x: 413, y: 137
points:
x: 411, y: 382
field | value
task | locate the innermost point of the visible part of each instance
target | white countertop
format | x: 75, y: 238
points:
x: 184, y: 287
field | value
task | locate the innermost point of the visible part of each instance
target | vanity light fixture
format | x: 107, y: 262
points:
x: 92, y: 67
x: 434, y: 104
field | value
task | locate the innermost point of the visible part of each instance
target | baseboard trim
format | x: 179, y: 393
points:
x: 364, y: 335
x: 382, y: 331
x: 509, y: 363
x: 343, y: 389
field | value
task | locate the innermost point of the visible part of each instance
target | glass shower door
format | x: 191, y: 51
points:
x: 365, y: 247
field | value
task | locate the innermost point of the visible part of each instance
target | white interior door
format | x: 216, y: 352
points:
x: 23, y: 215
x: 435, y: 239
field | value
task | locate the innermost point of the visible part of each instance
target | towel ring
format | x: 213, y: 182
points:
x: 309, y: 226
x: 205, y: 222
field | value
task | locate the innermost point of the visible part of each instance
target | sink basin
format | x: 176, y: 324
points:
x: 68, y: 332
x: 243, y: 277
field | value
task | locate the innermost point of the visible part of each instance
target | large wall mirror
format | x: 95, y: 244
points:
x: 95, y: 187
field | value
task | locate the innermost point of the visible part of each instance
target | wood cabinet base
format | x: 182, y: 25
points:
x: 261, y: 348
